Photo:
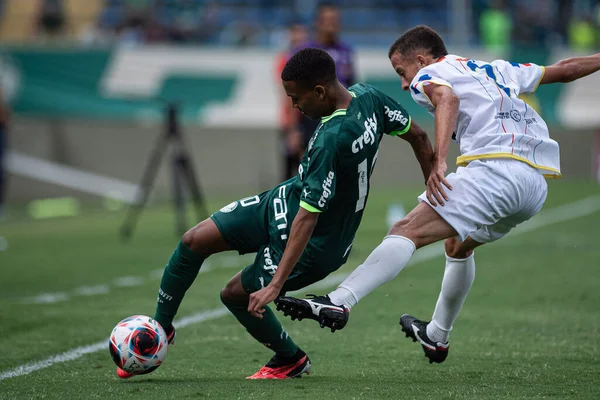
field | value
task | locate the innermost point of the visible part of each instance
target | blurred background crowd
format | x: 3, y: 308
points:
x: 491, y: 23
x: 76, y: 72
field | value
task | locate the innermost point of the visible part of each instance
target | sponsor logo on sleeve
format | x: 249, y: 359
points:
x: 368, y: 136
x: 396, y: 115
x: 326, y: 188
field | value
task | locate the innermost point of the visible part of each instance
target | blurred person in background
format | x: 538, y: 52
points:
x: 495, y: 26
x: 292, y: 145
x: 535, y: 24
x: 327, y: 37
x: 328, y: 28
x: 185, y: 21
x: 137, y: 16
x: 50, y: 21
x: 582, y: 34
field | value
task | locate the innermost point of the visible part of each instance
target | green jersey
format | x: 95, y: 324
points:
x: 333, y: 180
x: 334, y: 175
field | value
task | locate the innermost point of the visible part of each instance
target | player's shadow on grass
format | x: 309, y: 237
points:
x: 219, y: 380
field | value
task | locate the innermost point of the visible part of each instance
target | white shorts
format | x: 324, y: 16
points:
x: 491, y: 197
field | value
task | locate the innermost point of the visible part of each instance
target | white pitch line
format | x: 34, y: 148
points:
x: 563, y: 213
x: 101, y: 345
x: 180, y: 323
x: 63, y: 175
x: 128, y: 281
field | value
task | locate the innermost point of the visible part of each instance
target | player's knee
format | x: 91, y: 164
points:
x: 455, y: 249
x: 233, y: 292
x: 194, y: 239
x: 226, y: 295
x: 406, y: 227
x: 400, y: 228
x: 188, y: 238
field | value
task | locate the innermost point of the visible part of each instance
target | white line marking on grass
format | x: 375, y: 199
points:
x: 48, y: 298
x: 563, y: 213
x: 101, y: 345
x: 63, y: 175
x: 566, y: 212
x: 92, y: 290
x: 130, y: 281
x: 180, y: 323
x: 59, y: 358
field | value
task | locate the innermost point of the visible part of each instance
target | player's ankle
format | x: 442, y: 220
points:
x: 436, y: 333
x: 343, y: 297
x: 291, y: 358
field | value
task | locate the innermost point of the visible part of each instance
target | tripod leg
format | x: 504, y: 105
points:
x: 194, y: 186
x: 178, y: 193
x: 146, y: 185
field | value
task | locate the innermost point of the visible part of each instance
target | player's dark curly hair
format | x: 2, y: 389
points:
x: 421, y: 37
x: 309, y: 67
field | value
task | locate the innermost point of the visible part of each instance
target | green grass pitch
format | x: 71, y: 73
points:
x: 530, y: 327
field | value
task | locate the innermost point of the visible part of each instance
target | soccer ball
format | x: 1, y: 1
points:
x: 138, y: 344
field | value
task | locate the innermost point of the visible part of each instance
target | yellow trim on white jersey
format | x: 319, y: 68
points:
x: 431, y: 81
x: 541, y: 77
x: 462, y: 161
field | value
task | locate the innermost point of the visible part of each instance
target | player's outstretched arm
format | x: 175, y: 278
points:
x: 421, y: 146
x: 571, y: 69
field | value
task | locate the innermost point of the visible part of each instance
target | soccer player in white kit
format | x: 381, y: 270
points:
x: 505, y: 151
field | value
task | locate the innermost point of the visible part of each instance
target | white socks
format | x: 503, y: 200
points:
x: 382, y: 265
x: 458, y: 278
x: 386, y: 262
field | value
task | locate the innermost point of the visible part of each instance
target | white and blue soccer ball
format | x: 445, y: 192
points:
x: 138, y: 344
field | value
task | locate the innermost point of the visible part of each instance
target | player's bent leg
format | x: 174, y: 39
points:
x: 289, y: 360
x: 205, y: 238
x: 422, y: 226
x: 458, y: 279
x: 459, y: 275
x: 195, y: 246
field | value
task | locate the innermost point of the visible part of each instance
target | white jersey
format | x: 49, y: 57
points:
x: 493, y: 122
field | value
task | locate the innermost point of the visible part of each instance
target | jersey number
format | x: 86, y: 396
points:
x: 363, y: 181
x: 489, y: 70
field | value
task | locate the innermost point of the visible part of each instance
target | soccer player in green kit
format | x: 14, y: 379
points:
x: 303, y: 229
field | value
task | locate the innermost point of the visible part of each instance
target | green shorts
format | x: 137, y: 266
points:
x: 261, y: 224
x: 244, y: 223
x: 259, y: 274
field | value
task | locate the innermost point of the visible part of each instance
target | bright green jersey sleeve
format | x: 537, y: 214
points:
x: 318, y: 188
x: 396, y: 120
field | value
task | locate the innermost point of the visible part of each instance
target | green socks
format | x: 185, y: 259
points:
x: 182, y: 269
x: 179, y: 275
x: 267, y: 330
